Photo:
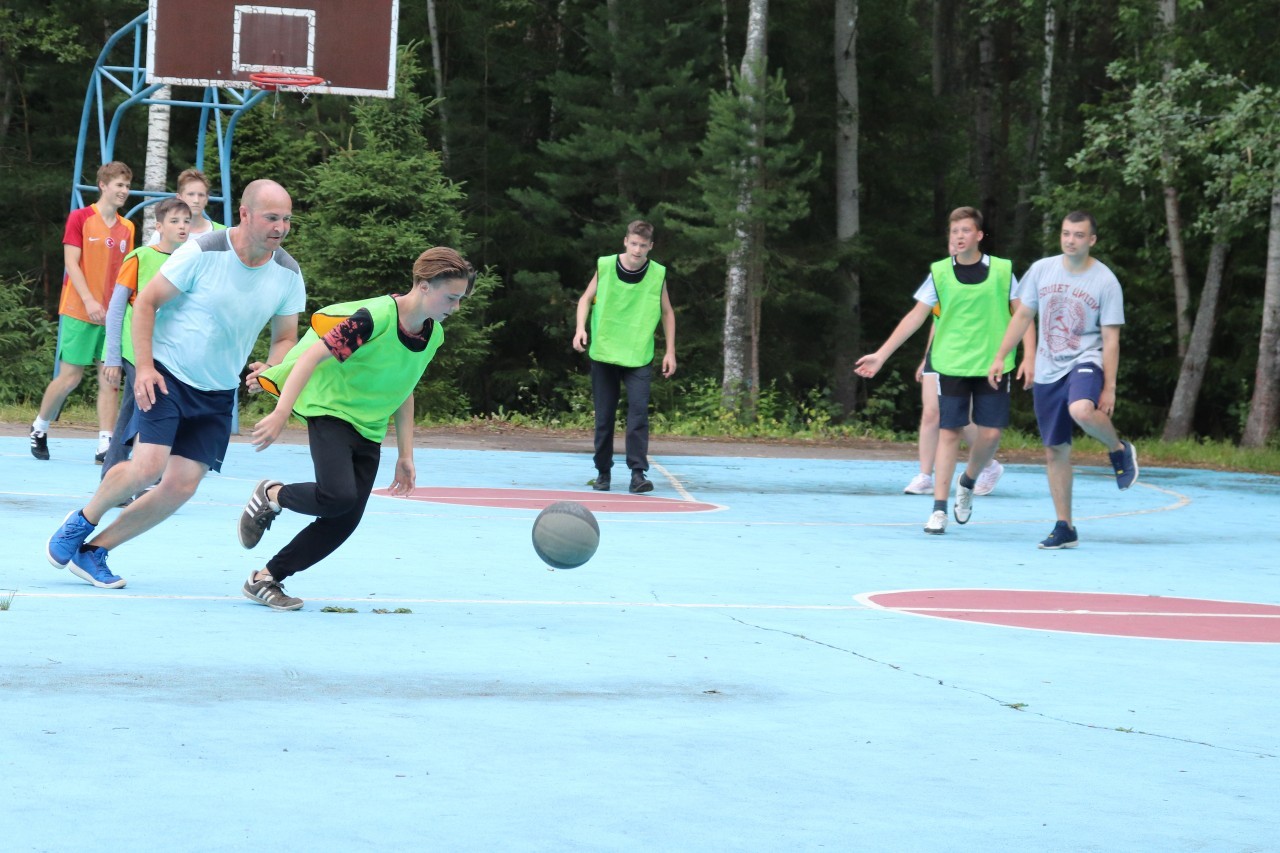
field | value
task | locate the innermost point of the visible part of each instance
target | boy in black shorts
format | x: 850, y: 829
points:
x: 975, y: 295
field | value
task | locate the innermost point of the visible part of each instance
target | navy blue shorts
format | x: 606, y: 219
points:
x: 1054, y: 399
x: 194, y: 424
x: 965, y: 398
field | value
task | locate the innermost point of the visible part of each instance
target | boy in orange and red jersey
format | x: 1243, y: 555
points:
x: 94, y: 244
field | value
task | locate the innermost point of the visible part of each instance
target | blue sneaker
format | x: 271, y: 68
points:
x: 1125, y: 462
x: 1063, y: 536
x: 64, y: 543
x: 91, y: 565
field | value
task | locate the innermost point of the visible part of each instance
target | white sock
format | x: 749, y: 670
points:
x: 104, y: 440
x: 40, y: 425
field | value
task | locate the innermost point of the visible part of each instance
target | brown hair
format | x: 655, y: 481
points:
x: 189, y: 175
x: 1083, y: 216
x: 967, y: 213
x: 441, y: 263
x: 108, y: 172
x: 640, y: 228
x: 171, y: 205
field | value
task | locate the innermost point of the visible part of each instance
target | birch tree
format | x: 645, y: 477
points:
x: 437, y: 65
x: 1168, y: 14
x: 1036, y: 140
x: 156, y: 171
x: 1187, y: 123
x: 848, y: 206
x: 738, y: 387
x: 1254, y: 130
x: 1264, y: 406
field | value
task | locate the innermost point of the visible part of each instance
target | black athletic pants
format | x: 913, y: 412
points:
x: 346, y: 465
x: 606, y: 389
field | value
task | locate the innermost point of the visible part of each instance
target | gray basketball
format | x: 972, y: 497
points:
x: 565, y: 535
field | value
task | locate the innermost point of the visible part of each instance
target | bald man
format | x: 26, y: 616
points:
x: 218, y: 290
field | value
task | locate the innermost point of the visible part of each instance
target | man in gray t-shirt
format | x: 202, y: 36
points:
x: 1077, y: 358
x: 1073, y: 307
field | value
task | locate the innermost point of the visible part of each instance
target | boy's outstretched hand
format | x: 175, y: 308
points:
x: 868, y: 366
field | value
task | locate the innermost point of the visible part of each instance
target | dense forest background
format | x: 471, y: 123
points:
x: 563, y: 119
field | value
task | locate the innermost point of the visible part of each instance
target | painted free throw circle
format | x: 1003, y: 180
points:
x: 539, y: 499
x: 1112, y: 614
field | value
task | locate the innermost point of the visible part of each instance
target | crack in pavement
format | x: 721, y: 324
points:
x: 1015, y: 706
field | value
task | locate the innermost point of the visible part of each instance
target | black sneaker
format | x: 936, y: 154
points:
x: 1125, y: 463
x: 1062, y: 536
x: 271, y: 594
x: 100, y: 457
x: 258, y: 514
x: 640, y: 483
x: 602, y: 481
x: 40, y: 444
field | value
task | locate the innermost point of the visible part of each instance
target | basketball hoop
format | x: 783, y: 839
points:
x: 279, y: 81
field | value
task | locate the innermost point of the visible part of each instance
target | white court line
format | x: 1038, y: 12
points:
x: 1020, y: 612
x: 1180, y: 501
x: 675, y: 483
x: 115, y: 596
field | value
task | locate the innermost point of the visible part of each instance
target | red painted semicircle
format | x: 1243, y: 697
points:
x: 537, y: 499
x: 1113, y: 614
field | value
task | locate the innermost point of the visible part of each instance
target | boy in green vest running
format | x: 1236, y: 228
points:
x: 173, y: 226
x: 625, y: 300
x: 355, y: 369
x: 975, y: 295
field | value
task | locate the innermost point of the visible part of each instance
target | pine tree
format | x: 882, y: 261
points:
x: 371, y: 208
x: 778, y: 171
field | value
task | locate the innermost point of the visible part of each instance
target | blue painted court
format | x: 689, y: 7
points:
x: 721, y: 678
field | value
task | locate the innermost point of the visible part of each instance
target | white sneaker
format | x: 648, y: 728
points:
x: 986, y: 483
x: 921, y: 484
x: 964, y: 504
x: 937, y: 522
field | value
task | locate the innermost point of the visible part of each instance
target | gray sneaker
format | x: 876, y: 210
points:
x: 258, y: 514
x: 270, y: 594
x: 964, y: 504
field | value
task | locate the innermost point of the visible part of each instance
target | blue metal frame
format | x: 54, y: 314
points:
x: 223, y: 106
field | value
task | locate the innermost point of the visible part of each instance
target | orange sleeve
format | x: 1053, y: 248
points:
x: 128, y: 276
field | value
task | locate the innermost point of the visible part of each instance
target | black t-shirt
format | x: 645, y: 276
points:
x: 352, y: 333
x: 971, y: 273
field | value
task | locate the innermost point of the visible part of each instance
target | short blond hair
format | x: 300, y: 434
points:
x: 189, y: 175
x: 108, y: 172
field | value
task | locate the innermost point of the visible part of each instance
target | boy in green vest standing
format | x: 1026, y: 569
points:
x: 625, y: 300
x: 975, y: 295
x: 173, y: 225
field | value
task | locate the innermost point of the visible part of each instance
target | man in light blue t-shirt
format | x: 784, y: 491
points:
x: 1081, y: 311
x: 193, y: 330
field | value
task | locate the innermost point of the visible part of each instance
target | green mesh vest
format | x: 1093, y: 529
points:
x: 150, y: 259
x: 971, y: 321
x: 624, y: 315
x: 367, y: 388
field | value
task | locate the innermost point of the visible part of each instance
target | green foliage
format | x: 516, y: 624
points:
x: 561, y: 130
x: 32, y: 32
x: 273, y: 140
x: 748, y: 144
x: 27, y: 340
x: 370, y: 209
